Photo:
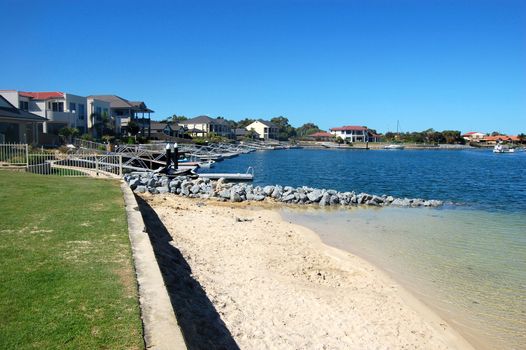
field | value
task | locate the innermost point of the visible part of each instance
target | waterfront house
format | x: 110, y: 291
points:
x: 123, y: 111
x: 265, y: 129
x: 492, y: 140
x: 320, y: 136
x: 17, y: 125
x: 473, y: 136
x: 59, y: 109
x: 166, y: 128
x: 203, y: 125
x: 353, y: 133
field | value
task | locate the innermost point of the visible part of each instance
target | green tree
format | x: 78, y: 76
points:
x: 251, y: 135
x: 307, y: 129
x: 177, y: 118
x: 66, y: 134
x: 244, y: 123
x: 285, y: 130
x: 133, y: 128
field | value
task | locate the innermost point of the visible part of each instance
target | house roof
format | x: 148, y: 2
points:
x: 349, y: 127
x: 267, y: 123
x: 114, y: 100
x: 497, y: 137
x: 321, y: 134
x: 472, y: 133
x: 204, y: 119
x: 42, y: 95
x: 157, y: 125
x: 120, y: 102
x: 7, y: 110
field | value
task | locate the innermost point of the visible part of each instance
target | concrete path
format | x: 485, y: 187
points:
x: 161, y: 330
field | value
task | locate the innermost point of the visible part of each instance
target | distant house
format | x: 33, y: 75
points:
x: 123, y: 111
x: 492, y: 140
x: 321, y: 136
x: 204, y: 125
x: 59, y: 109
x: 353, y: 133
x: 473, y: 136
x: 18, y: 125
x: 265, y: 129
x: 167, y: 128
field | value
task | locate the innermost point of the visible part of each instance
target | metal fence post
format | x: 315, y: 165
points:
x: 120, y: 165
x: 27, y: 157
x: 97, y: 164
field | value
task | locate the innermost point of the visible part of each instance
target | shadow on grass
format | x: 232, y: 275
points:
x: 200, y: 322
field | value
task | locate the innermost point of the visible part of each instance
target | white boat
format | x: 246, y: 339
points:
x: 500, y: 148
x: 394, y: 146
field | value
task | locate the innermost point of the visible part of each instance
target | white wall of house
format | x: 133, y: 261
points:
x: 351, y: 135
x: 265, y: 132
x: 96, y: 106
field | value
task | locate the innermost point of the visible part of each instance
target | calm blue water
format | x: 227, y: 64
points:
x: 477, y: 178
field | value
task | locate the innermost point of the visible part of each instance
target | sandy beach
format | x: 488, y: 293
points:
x: 241, y: 276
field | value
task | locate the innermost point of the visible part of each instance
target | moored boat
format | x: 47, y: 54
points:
x: 500, y: 148
x: 394, y: 146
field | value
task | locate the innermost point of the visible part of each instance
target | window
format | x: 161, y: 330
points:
x: 56, y: 106
x: 72, y: 107
x: 24, y: 105
x: 81, y: 111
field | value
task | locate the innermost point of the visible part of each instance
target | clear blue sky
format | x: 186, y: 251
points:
x: 448, y: 64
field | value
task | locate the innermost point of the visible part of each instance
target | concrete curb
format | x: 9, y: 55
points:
x: 161, y: 330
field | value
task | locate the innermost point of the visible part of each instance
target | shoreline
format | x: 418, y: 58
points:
x: 410, y: 289
x: 290, y: 263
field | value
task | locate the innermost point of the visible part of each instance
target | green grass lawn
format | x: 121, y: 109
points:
x: 66, y: 274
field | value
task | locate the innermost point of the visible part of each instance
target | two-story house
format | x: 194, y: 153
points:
x: 204, y: 125
x: 354, y: 133
x: 59, y: 108
x: 123, y: 111
x: 265, y: 129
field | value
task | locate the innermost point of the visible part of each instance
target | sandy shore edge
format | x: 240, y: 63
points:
x: 276, y: 284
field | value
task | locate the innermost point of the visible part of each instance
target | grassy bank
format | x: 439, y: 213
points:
x: 66, y: 274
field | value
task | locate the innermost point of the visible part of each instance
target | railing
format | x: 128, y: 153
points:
x: 86, y: 144
x: 54, y: 163
x: 13, y: 154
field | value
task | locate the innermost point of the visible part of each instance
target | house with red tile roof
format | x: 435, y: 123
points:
x: 473, y: 136
x: 320, y: 136
x: 500, y: 138
x: 60, y: 109
x: 355, y: 133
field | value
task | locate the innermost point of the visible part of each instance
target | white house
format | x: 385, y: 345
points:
x: 353, y: 133
x: 59, y: 108
x: 473, y: 136
x: 204, y: 125
x: 265, y: 129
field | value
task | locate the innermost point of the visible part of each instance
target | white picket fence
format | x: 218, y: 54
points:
x: 55, y: 163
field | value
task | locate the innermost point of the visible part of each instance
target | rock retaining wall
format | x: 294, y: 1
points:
x: 239, y: 192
